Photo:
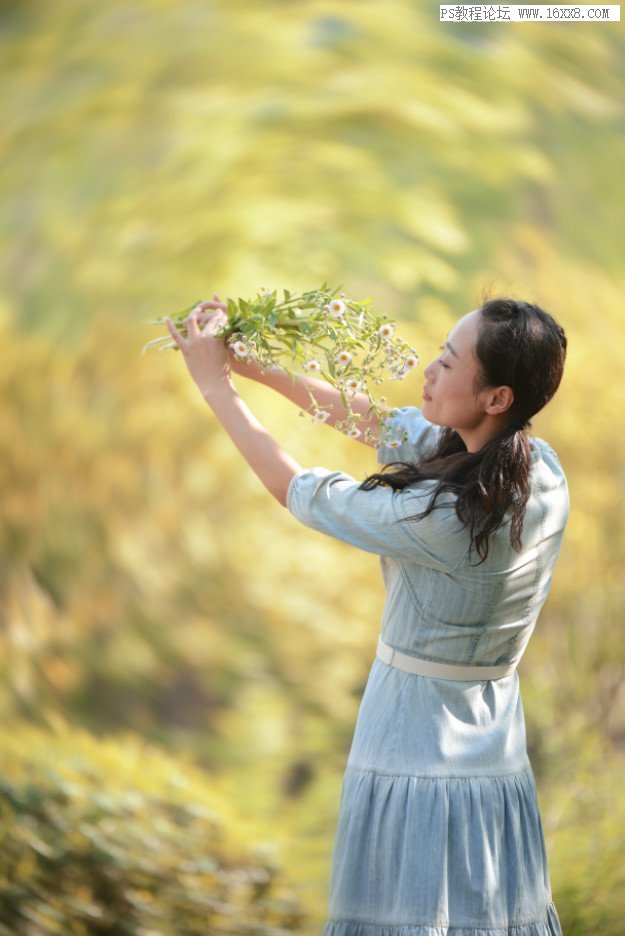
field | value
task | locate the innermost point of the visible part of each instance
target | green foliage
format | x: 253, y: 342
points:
x: 103, y: 836
x: 155, y: 151
x: 584, y: 818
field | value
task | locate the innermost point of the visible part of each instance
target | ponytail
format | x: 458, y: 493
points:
x: 487, y: 484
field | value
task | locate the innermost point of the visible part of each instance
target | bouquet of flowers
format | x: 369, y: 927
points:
x: 321, y: 334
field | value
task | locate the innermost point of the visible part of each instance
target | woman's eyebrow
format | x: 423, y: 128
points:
x: 455, y: 353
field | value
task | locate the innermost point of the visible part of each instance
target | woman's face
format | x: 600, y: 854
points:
x: 449, y: 395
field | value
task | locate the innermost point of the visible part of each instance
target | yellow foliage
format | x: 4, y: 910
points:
x: 99, y: 832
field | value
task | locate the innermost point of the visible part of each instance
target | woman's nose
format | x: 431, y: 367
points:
x: 428, y: 373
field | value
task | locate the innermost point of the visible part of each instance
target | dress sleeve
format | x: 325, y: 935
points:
x: 422, y: 436
x: 333, y: 503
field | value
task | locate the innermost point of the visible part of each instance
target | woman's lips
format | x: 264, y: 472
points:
x: 426, y: 396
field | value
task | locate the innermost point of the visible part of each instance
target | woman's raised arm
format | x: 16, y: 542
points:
x: 327, y: 397
x: 206, y: 358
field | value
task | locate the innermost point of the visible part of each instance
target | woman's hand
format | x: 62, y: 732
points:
x: 206, y: 356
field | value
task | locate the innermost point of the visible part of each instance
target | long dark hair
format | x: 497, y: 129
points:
x: 520, y: 346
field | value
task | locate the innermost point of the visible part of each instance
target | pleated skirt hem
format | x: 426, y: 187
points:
x: 550, y: 927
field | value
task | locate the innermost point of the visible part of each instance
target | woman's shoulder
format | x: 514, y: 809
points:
x: 406, y: 435
x: 543, y: 458
x: 409, y: 419
x: 549, y: 488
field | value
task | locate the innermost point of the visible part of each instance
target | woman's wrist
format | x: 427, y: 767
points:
x: 215, y: 389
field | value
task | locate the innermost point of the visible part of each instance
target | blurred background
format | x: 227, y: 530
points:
x: 181, y: 661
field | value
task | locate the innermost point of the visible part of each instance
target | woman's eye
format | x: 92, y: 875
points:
x: 440, y: 360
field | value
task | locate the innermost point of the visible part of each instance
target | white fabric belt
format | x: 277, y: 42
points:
x: 412, y: 664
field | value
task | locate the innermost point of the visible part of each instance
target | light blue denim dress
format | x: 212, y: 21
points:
x: 439, y: 831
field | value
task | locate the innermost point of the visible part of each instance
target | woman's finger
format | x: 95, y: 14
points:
x: 214, y: 303
x: 175, y: 334
x: 191, y: 322
x: 212, y: 316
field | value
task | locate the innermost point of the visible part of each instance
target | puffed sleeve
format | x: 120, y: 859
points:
x: 422, y: 436
x: 375, y: 520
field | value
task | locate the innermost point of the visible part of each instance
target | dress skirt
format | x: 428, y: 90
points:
x: 439, y: 831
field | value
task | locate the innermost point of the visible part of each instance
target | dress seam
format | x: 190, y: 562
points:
x: 411, y: 776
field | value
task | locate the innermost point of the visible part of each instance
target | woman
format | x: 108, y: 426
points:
x: 439, y: 830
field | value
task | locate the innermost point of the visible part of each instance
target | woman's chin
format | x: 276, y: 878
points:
x: 428, y: 413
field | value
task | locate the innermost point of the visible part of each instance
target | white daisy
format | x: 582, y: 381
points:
x: 312, y: 365
x: 386, y: 330
x: 239, y: 348
x: 337, y: 307
x: 394, y: 444
x: 411, y: 361
x: 320, y: 415
x: 353, y: 433
x: 352, y: 385
x: 343, y: 357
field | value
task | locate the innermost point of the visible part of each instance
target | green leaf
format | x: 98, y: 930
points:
x: 154, y: 342
x: 331, y: 364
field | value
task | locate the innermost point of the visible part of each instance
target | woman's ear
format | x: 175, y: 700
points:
x: 499, y: 400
